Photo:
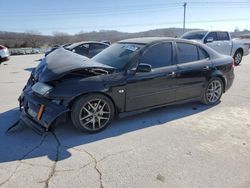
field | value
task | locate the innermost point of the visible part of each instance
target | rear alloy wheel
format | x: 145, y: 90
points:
x: 213, y: 91
x: 237, y: 57
x: 92, y: 113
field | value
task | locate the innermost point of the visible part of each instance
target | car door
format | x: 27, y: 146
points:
x: 147, y: 89
x: 225, y: 43
x: 212, y: 41
x: 194, y: 66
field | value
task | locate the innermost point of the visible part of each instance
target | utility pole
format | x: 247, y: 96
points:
x: 184, y: 17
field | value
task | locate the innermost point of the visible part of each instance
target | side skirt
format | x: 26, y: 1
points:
x: 131, y: 113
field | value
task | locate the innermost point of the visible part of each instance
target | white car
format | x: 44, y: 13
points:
x: 4, y: 54
x: 221, y: 42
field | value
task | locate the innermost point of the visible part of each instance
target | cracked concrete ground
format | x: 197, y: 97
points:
x: 187, y: 145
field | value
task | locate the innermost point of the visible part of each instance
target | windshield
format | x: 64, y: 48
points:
x: 118, y: 54
x: 195, y: 35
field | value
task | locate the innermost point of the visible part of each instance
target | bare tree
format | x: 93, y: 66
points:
x: 32, y: 39
x: 61, y: 38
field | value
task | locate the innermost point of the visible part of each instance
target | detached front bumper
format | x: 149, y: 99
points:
x: 39, y: 113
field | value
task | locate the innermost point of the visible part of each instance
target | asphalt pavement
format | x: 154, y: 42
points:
x: 188, y: 145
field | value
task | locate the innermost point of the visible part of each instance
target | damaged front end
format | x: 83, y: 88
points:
x: 43, y: 99
x: 37, y: 111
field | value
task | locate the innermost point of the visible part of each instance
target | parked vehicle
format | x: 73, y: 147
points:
x: 221, y: 42
x: 129, y: 77
x: 13, y: 51
x: 66, y: 45
x: 28, y: 51
x: 88, y: 49
x: 35, y: 51
x: 49, y: 50
x: 24, y: 51
x: 106, y: 42
x: 4, y: 54
x: 21, y: 52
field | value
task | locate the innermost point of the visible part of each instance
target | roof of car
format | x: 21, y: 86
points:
x: 148, y: 40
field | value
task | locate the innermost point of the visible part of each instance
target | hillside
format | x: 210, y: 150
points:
x: 16, y: 40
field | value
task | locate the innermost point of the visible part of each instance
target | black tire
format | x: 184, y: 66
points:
x: 92, y: 113
x: 214, y: 93
x: 238, y: 57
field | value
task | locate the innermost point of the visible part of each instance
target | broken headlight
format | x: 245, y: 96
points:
x: 41, y: 88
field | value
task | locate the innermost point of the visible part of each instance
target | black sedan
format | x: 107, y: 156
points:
x: 129, y: 77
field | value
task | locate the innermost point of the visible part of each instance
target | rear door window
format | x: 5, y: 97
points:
x: 222, y: 36
x: 202, y: 54
x: 186, y: 53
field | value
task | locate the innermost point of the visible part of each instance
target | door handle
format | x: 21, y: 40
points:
x: 206, y: 68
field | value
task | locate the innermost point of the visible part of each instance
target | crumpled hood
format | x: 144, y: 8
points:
x: 60, y: 62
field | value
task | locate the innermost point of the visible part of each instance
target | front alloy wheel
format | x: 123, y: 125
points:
x: 92, y: 113
x: 213, y: 91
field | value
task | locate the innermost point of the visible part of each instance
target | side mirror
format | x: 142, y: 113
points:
x: 210, y: 39
x: 143, y: 68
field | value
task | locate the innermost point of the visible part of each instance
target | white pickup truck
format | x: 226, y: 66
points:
x: 221, y: 42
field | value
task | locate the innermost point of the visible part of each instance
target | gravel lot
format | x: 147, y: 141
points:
x: 188, y: 145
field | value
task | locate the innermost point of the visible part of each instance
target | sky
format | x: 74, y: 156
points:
x: 74, y: 16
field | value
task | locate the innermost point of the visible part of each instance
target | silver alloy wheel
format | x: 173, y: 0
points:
x: 95, y: 114
x: 214, y: 91
x: 237, y: 58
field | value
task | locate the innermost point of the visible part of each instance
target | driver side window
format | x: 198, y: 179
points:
x: 158, y: 55
x: 212, y: 35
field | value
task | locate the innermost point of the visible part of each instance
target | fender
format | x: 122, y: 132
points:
x: 235, y: 50
x: 111, y: 86
x: 218, y: 73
